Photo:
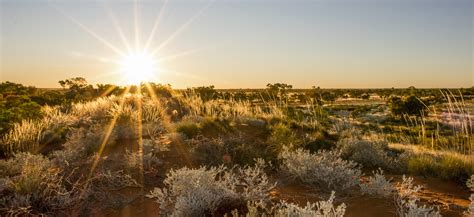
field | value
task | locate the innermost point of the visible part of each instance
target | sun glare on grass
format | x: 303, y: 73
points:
x: 137, y: 67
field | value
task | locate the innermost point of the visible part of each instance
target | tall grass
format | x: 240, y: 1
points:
x: 455, y: 116
x: 28, y: 135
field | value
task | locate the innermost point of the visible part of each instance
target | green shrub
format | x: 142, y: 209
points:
x: 188, y: 129
x: 320, y: 140
x: 422, y: 165
x: 231, y: 150
x: 282, y: 135
x: 453, y: 168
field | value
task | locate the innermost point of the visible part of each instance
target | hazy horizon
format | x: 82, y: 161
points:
x: 236, y: 44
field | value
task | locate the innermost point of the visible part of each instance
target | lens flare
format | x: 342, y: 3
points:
x: 137, y: 67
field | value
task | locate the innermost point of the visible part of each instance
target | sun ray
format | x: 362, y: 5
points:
x: 151, y: 92
x: 174, y: 56
x: 94, y: 57
x: 140, y: 135
x: 180, y: 29
x: 155, y: 25
x: 108, y: 133
x: 117, y: 27
x: 92, y: 33
x: 136, y: 26
x: 109, y: 90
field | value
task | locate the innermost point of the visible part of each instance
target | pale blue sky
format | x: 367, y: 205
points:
x: 244, y: 43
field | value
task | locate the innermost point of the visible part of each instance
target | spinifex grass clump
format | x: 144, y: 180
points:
x: 30, y: 134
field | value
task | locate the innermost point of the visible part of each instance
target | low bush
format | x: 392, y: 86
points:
x: 188, y: 129
x: 405, y: 200
x: 446, y: 166
x: 230, y: 150
x: 370, y: 154
x: 323, y: 169
x: 377, y: 185
x: 422, y: 164
x: 205, y: 191
x: 31, y: 185
x: 281, y: 135
x: 285, y: 209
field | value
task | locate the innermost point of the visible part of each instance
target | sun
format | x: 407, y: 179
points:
x: 138, y: 67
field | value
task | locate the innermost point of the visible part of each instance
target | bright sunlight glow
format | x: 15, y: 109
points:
x: 137, y: 67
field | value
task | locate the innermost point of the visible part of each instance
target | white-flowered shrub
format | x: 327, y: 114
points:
x: 324, y: 168
x: 285, y: 209
x: 318, y: 209
x: 377, y: 185
x: 405, y: 200
x: 196, y: 192
x: 371, y: 154
x: 31, y: 185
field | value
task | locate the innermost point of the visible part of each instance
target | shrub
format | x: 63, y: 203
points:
x: 377, y: 185
x: 422, y: 164
x: 324, y: 168
x: 405, y: 200
x: 146, y: 161
x: 197, y: 192
x: 320, y: 140
x: 411, y: 105
x: 31, y: 185
x: 371, y: 154
x: 321, y: 208
x: 447, y: 166
x: 230, y: 150
x: 453, y: 168
x: 188, y: 129
x: 286, y: 209
x: 281, y: 135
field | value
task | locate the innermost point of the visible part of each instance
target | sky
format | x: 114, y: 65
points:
x: 243, y: 43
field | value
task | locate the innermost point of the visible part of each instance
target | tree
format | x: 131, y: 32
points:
x: 205, y: 93
x: 411, y: 105
x: 279, y: 90
x: 78, y: 89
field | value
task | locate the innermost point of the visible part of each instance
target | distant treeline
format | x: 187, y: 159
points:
x: 19, y: 102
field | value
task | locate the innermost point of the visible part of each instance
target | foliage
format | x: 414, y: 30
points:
x: 410, y: 105
x: 205, y: 93
x: 377, y: 185
x: 78, y: 89
x: 371, y: 154
x: 32, y: 186
x: 197, y: 192
x: 405, y: 200
x: 324, y: 168
x: 278, y: 91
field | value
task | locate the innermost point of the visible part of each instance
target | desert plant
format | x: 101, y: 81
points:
x: 377, y: 185
x: 192, y: 192
x: 371, y: 154
x: 405, y: 200
x: 285, y: 209
x: 33, y: 185
x: 324, y: 168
